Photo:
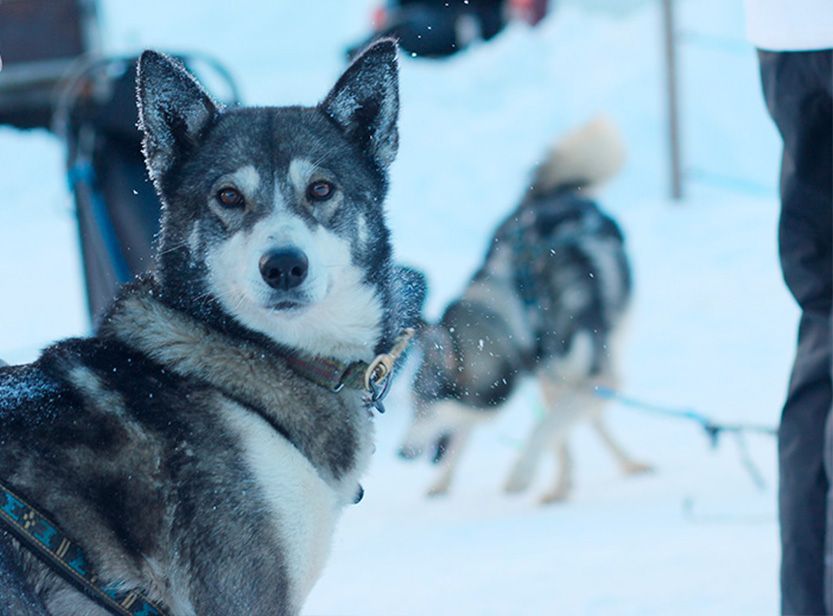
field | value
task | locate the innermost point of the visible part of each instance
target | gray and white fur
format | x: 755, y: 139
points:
x: 176, y: 445
x: 549, y: 301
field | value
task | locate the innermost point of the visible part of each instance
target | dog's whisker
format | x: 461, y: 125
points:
x: 176, y: 246
x: 331, y: 152
x: 241, y: 298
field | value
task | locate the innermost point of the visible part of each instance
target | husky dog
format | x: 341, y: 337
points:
x: 548, y: 301
x: 182, y: 446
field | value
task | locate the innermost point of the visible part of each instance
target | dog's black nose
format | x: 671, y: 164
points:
x: 284, y: 269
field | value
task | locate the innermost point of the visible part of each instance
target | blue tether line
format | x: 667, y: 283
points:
x: 712, y: 428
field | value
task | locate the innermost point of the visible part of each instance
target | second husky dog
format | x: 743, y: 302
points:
x: 548, y: 301
x: 199, y: 447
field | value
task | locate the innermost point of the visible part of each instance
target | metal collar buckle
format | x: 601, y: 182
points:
x: 377, y: 380
x: 377, y: 394
x: 377, y: 377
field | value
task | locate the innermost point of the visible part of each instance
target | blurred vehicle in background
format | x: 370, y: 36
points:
x: 440, y: 28
x: 115, y: 202
x: 54, y: 77
x: 39, y: 41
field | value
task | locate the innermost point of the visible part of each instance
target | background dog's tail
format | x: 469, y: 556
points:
x: 586, y: 157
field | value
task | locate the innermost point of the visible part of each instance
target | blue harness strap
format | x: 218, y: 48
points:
x: 45, y: 540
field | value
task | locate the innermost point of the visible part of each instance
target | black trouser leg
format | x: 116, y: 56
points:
x: 804, y: 484
x: 798, y: 87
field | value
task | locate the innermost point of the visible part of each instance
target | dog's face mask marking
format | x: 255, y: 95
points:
x: 288, y: 263
x: 276, y: 214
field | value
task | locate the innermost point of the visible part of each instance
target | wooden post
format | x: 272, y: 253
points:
x: 674, y: 147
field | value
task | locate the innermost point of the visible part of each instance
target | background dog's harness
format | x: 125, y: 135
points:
x: 533, y: 234
x: 45, y: 540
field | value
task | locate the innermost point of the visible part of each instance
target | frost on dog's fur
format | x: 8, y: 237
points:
x: 365, y: 102
x: 173, y: 110
x: 23, y: 384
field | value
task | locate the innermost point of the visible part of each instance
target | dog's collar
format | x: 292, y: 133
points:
x: 372, y: 378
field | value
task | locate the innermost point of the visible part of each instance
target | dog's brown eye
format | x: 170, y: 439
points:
x: 320, y: 190
x: 230, y: 197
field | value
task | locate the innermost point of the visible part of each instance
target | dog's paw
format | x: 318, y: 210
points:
x: 437, y: 491
x: 516, y: 484
x: 554, y: 497
x: 633, y: 468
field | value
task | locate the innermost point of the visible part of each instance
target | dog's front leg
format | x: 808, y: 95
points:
x: 564, y: 479
x: 564, y: 407
x: 449, y: 461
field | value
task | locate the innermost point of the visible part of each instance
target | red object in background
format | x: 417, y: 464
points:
x: 379, y: 18
x: 530, y: 11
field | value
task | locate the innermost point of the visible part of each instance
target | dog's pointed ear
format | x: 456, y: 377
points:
x: 174, y: 110
x: 365, y: 102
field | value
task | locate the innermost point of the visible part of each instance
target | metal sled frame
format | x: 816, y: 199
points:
x: 116, y: 206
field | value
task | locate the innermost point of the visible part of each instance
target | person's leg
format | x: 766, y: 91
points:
x: 797, y: 90
x: 804, y: 483
x: 826, y: 69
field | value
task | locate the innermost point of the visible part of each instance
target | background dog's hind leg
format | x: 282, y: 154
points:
x: 626, y: 463
x: 448, y: 464
x: 610, y: 379
x: 564, y: 477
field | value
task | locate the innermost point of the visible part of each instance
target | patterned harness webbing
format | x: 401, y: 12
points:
x: 44, y: 539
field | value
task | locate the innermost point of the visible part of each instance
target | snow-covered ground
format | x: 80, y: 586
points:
x: 712, y: 326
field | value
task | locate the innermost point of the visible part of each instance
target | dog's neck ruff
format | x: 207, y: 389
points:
x: 193, y: 348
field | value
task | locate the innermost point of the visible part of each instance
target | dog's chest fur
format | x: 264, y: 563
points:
x: 225, y: 471
x: 302, y: 507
